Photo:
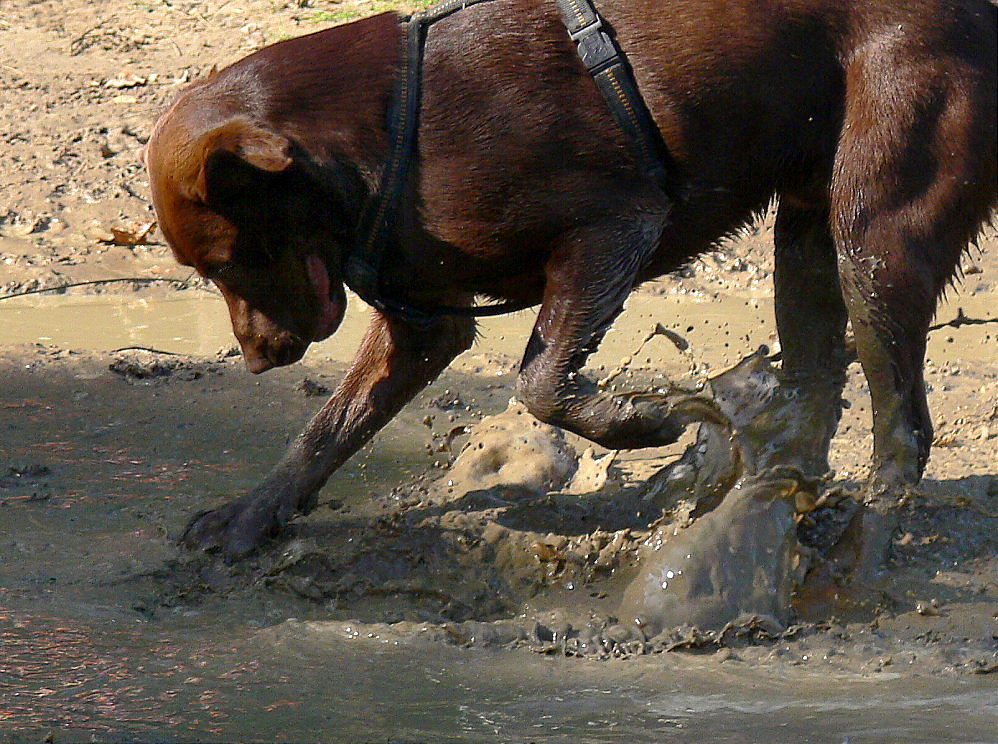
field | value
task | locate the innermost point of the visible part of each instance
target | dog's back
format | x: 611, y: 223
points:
x: 752, y: 99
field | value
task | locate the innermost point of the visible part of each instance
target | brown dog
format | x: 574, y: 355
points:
x: 871, y: 121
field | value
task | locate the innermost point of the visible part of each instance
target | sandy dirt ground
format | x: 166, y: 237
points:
x: 105, y: 454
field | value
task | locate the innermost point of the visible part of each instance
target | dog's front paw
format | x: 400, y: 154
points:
x: 240, y: 527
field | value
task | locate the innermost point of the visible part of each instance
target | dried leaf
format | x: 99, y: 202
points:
x: 137, y: 235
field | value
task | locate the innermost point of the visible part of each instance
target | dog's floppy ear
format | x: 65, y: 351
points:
x: 237, y: 160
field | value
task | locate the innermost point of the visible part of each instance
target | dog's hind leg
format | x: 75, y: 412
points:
x: 913, y: 181
x: 811, y: 320
x: 588, y: 275
x: 393, y: 363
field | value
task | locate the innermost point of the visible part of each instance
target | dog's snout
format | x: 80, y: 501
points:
x: 258, y: 364
x: 266, y: 352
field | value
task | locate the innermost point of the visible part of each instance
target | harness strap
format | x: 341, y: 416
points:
x: 362, y: 270
x: 604, y: 61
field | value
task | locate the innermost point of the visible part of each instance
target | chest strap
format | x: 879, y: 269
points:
x: 604, y: 61
x: 362, y: 267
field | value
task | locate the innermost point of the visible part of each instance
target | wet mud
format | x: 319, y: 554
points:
x: 465, y: 528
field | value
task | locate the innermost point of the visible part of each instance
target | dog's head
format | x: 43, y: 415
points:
x: 235, y: 201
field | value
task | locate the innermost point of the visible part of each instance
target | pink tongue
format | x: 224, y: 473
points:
x: 329, y: 314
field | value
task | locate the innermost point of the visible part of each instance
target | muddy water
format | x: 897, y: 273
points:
x: 718, y: 326
x: 185, y: 681
x: 185, y: 325
x: 198, y: 324
x: 92, y: 645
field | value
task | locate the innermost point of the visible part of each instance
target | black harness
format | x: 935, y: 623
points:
x: 604, y: 61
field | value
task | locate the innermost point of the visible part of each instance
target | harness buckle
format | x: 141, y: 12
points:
x: 592, y: 27
x: 597, y: 50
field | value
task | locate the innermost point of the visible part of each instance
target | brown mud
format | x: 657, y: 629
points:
x: 483, y: 598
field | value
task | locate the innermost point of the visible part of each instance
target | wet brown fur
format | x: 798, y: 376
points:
x: 872, y: 122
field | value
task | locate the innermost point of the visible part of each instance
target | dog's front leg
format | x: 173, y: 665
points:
x: 588, y: 276
x: 394, y: 362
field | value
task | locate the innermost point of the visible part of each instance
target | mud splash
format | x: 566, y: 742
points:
x: 734, y: 564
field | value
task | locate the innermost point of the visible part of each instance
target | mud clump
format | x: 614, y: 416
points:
x: 146, y: 367
x: 29, y: 481
x: 311, y: 388
x: 17, y: 473
x: 513, y: 449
